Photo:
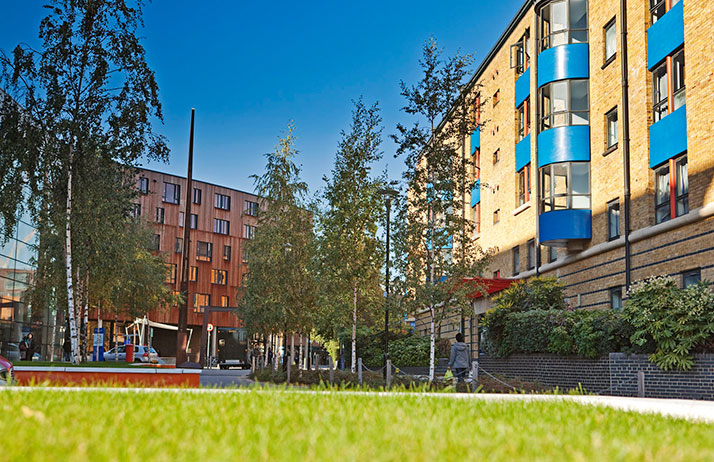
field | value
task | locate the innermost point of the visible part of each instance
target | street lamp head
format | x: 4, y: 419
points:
x: 387, y: 193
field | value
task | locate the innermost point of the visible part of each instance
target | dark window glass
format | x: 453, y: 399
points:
x: 219, y: 277
x: 135, y: 210
x: 204, y: 251
x: 172, y: 193
x: 681, y: 188
x: 144, y: 185
x: 662, y: 194
x: 179, y: 245
x: 160, y: 215
x: 611, y: 123
x: 691, y: 277
x: 227, y: 252
x: 221, y: 226
x: 657, y: 9
x: 613, y: 220
x: 248, y: 231
x: 194, y: 221
x: 222, y: 202
x: 616, y: 298
x: 197, y: 196
x: 156, y: 243
x: 659, y: 85
x: 552, y: 254
x: 678, y: 80
x: 251, y: 208
x: 531, y: 254
x: 516, y: 260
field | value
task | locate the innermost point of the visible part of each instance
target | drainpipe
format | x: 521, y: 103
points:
x: 534, y: 130
x: 625, y: 139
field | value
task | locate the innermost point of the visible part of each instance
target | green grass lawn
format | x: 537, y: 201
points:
x: 48, y: 425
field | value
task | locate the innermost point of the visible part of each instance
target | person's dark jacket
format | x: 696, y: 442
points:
x: 460, y: 356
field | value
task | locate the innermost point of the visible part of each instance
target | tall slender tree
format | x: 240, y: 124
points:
x: 86, y: 98
x: 279, y: 291
x: 350, y: 252
x: 434, y: 237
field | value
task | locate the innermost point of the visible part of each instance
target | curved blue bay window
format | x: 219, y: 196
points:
x: 564, y: 117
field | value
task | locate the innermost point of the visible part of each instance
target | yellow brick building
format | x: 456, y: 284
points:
x: 595, y: 151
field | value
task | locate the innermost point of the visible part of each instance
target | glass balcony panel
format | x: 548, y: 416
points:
x: 581, y: 178
x: 581, y: 202
x: 578, y: 14
x: 559, y: 13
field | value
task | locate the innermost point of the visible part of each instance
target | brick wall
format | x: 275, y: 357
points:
x: 615, y: 375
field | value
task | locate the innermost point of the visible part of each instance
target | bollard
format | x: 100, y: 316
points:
x: 641, y: 384
x: 359, y: 371
x: 474, y: 376
x: 332, y: 369
x: 290, y: 365
x: 389, y: 373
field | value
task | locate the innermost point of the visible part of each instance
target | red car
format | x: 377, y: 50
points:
x: 7, y: 373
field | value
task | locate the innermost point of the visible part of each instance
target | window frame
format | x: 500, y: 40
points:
x: 178, y: 245
x: 610, y: 146
x: 523, y: 123
x: 675, y: 204
x: 697, y: 272
x: 523, y: 185
x: 196, y: 198
x: 160, y: 215
x: 612, y: 23
x: 176, y: 199
x: 219, y: 277
x: 227, y: 252
x: 219, y: 225
x: 617, y: 290
x: 222, y: 201
x: 193, y: 274
x: 251, y: 208
x: 193, y: 221
x: 206, y: 297
x: 200, y: 254
x: 613, y: 205
x: 173, y: 271
x: 531, y: 250
x: 546, y: 39
x: 156, y: 243
x: 552, y: 254
x: 143, y: 185
x: 248, y: 231
x: 548, y: 119
x: 516, y: 260
x: 548, y: 197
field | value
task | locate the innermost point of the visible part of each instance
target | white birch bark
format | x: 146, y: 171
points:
x: 276, y: 354
x: 68, y: 266
x: 300, y: 353
x: 354, y: 329
x: 432, y: 344
x: 85, y: 320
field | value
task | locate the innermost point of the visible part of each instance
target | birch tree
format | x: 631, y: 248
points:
x: 433, y: 236
x: 87, y: 94
x: 351, y: 255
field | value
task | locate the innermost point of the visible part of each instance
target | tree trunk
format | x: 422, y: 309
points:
x: 300, y: 357
x: 353, y: 368
x: 432, y: 345
x: 276, y: 354
x: 85, y: 317
x: 68, y: 266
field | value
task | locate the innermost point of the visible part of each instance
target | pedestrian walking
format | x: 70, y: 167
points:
x: 460, y: 358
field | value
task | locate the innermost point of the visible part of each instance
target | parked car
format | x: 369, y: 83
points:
x: 14, y: 354
x: 228, y: 363
x: 7, y: 372
x: 142, y: 354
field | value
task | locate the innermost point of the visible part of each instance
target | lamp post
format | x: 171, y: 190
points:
x: 388, y: 194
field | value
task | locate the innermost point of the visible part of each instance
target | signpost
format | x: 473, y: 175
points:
x: 98, y: 351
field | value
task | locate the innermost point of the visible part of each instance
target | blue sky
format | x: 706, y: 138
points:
x: 249, y: 68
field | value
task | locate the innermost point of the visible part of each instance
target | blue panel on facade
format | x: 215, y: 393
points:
x: 668, y: 137
x: 563, y: 62
x: 523, y: 152
x: 563, y: 225
x: 564, y: 144
x: 475, y: 139
x: 665, y: 36
x: 449, y: 243
x: 476, y: 193
x: 523, y: 87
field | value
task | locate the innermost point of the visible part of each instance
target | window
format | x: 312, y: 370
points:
x: 672, y: 189
x: 496, y: 97
x: 613, y: 220
x: 565, y: 102
x: 224, y: 301
x: 227, y: 252
x: 497, y: 274
x: 476, y: 217
x: 201, y: 300
x: 160, y: 215
x: 193, y: 274
x: 178, y: 248
x: 565, y: 185
x: 223, y: 202
x: 552, y: 254
x: 144, y: 185
x: 496, y: 216
x: 664, y: 83
x: 563, y: 22
x: 691, y: 277
x: 156, y: 243
x: 251, y: 208
x: 196, y: 196
x: 496, y: 155
x: 181, y: 219
x: 219, y: 277
x: 248, y: 231
x: 172, y: 193
x: 516, y: 254
x: 531, y: 254
x: 610, y: 33
x: 659, y: 7
x: 135, y: 210
x: 611, y: 129
x: 204, y: 251
x: 520, y: 54
x: 171, y: 275
x: 524, y: 185
x: 524, y: 119
x: 221, y: 226
x: 616, y: 298
x: 194, y: 221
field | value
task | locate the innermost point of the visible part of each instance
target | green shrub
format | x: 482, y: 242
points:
x: 442, y: 348
x: 410, y: 351
x: 678, y: 321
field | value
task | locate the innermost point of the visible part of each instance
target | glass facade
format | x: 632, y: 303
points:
x: 18, y: 317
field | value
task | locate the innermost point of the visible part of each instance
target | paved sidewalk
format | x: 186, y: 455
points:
x: 702, y: 411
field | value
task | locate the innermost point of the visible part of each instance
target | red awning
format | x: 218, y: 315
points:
x: 491, y: 286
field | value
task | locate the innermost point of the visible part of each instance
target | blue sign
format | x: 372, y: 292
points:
x: 98, y: 351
